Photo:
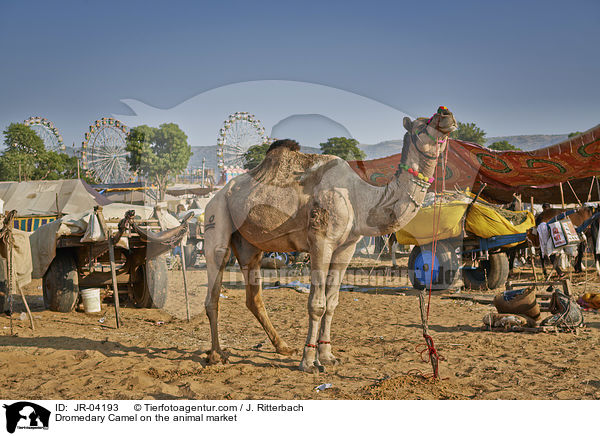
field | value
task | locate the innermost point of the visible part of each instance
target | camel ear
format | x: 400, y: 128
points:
x: 407, y: 123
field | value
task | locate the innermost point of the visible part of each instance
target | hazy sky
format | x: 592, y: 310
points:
x: 512, y: 67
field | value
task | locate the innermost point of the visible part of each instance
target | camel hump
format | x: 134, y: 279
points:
x: 284, y: 143
x: 283, y: 164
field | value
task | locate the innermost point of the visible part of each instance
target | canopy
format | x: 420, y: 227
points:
x: 49, y: 197
x: 537, y: 173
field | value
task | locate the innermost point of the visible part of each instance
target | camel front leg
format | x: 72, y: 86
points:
x: 337, y: 269
x: 320, y: 257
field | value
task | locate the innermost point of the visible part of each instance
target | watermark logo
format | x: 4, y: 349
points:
x: 26, y: 415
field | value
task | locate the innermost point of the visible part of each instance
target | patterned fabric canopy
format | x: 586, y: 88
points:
x: 535, y: 174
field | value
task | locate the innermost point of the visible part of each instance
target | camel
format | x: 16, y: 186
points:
x: 317, y: 204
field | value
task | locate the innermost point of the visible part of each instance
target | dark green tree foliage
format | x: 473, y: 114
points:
x: 26, y: 156
x: 255, y: 155
x: 571, y: 135
x: 158, y: 153
x: 346, y: 148
x: 502, y: 146
x: 469, y: 132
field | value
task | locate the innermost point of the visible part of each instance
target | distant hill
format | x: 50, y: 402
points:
x: 529, y: 142
x: 387, y: 148
x: 524, y: 142
x: 382, y: 149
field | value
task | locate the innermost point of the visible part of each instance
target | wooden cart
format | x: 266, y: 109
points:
x: 140, y: 263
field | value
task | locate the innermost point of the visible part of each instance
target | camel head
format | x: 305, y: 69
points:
x: 428, y: 135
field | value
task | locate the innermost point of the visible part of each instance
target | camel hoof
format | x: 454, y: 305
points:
x: 286, y: 350
x: 330, y: 362
x: 216, y: 357
x: 313, y: 368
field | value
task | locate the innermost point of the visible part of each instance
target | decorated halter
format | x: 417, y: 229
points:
x: 423, y: 129
x: 421, y: 179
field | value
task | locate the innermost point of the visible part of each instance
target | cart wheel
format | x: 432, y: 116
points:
x: 445, y: 266
x: 495, y: 270
x: 152, y: 281
x: 191, y: 255
x: 61, y: 283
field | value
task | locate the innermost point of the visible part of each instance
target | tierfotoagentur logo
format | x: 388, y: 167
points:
x: 26, y: 415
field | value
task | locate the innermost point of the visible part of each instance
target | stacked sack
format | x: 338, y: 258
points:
x: 516, y: 308
x: 519, y: 308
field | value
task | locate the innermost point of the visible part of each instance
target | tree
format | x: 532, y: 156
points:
x: 158, y: 153
x: 26, y: 158
x: 502, y: 146
x: 469, y: 132
x: 346, y: 148
x: 571, y: 135
x: 255, y: 155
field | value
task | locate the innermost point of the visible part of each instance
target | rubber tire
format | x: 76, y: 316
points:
x: 61, y: 283
x: 447, y: 260
x: 152, y: 282
x: 496, y: 269
x: 189, y: 252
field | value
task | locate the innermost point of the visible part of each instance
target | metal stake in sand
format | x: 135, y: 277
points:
x: 183, y: 270
x: 433, y: 356
x: 111, y: 254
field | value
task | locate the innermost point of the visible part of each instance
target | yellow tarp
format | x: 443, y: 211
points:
x: 483, y: 221
x: 486, y: 222
x: 446, y: 218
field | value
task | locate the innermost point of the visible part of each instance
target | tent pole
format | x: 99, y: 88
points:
x: 562, y: 195
x: 111, y: 254
x: 574, y: 193
x: 183, y: 267
x: 589, y: 197
x: 531, y: 200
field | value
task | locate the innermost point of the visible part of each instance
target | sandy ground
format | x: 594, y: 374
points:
x: 158, y: 354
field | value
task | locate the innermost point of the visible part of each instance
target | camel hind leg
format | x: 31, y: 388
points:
x: 249, y: 258
x: 218, y: 229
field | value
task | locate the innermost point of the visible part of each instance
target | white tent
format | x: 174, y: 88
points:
x: 49, y: 197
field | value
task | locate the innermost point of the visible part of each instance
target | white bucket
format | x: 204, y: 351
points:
x: 91, y: 300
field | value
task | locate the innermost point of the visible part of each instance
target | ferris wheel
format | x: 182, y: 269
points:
x: 48, y: 133
x: 104, y: 151
x: 240, y: 131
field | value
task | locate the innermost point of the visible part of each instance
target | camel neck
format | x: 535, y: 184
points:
x: 418, y: 161
x: 389, y: 208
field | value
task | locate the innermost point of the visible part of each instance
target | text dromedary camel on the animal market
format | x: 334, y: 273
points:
x: 317, y: 204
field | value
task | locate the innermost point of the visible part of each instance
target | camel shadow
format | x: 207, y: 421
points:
x: 106, y: 347
x: 273, y: 361
x: 116, y: 349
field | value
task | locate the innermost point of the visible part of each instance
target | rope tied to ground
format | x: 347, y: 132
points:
x: 432, y: 354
